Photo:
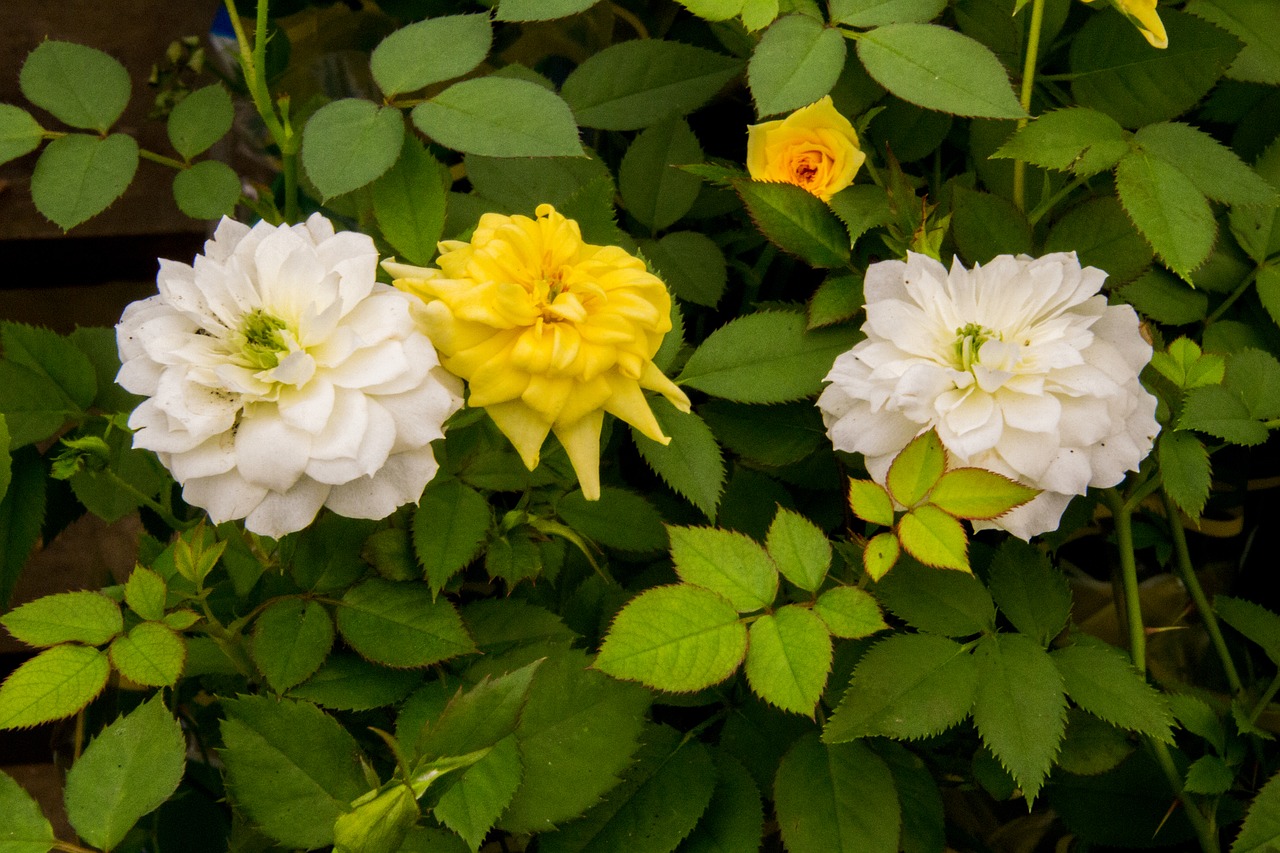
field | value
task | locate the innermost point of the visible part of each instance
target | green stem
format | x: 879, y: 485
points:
x: 1122, y: 515
x: 1205, y: 833
x: 1230, y: 300
x: 1048, y: 204
x: 151, y: 503
x: 1263, y: 702
x: 161, y: 159
x: 1192, y: 582
x: 1028, y: 83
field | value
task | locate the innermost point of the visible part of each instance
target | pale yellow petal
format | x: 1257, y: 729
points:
x: 581, y: 440
x: 628, y: 404
x: 523, y: 427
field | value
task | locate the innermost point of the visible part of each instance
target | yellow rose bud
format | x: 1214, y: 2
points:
x: 1144, y: 16
x: 549, y: 331
x: 814, y: 148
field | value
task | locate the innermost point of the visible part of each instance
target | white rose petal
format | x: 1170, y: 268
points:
x: 282, y: 378
x: 1020, y: 365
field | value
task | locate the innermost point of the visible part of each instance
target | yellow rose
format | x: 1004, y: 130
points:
x: 815, y: 148
x: 550, y: 332
x: 1144, y: 16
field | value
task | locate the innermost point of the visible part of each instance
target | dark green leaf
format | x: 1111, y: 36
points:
x: 449, y: 526
x: 1184, y: 464
x: 1255, y: 376
x: 1253, y: 621
x: 620, y: 519
x: 691, y: 264
x: 774, y: 435
x: 480, y: 717
x: 1251, y: 22
x: 346, y: 682
x: 1030, y: 592
x: 349, y: 143
x: 21, y: 514
x: 541, y: 10
x: 1211, y: 166
x: 796, y: 62
x: 401, y: 624
x: 1217, y: 411
x: 1165, y: 299
x: 734, y: 819
x: 409, y: 203
x: 80, y: 85
x: 78, y: 176
x: 986, y: 225
x: 1100, y: 679
x: 1092, y: 746
x: 1102, y: 235
x: 861, y: 207
x: 200, y: 119
x: 1261, y: 829
x: 291, y: 639
x: 797, y: 221
x: 26, y: 829
x: 1168, y: 209
x: 19, y: 133
x: 476, y: 797
x: 652, y: 190
x: 499, y: 117
x: 874, y: 13
x: 1076, y: 138
x: 944, y: 602
x: 519, y: 185
x: 430, y: 51
x: 691, y: 464
x: 208, y: 190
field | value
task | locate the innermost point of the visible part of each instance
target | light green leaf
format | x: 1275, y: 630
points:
x: 955, y: 604
x: 499, y: 117
x: 986, y: 225
x: 349, y: 143
x: 1254, y: 621
x: 1184, y: 465
x: 876, y: 13
x: 691, y: 464
x: 1030, y: 592
x: 1217, y: 411
x: 765, y: 358
x: 199, y: 120
x: 1255, y: 376
x: 797, y: 222
x: 870, y: 502
x: 939, y: 69
x: 734, y: 819
x: 1214, y: 169
x: 80, y: 85
x: 208, y: 190
x: 475, y: 799
x: 713, y: 10
x: 799, y: 549
x: 1168, y: 209
x: 292, y: 768
x: 541, y: 10
x: 677, y: 638
x: 795, y: 63
x: 21, y: 513
x: 934, y: 538
x: 861, y: 207
x: 54, y: 684
x: 1261, y: 829
x: 838, y: 798
x: 908, y: 686
x: 346, y: 682
x: 126, y: 772
x: 849, y: 612
x: 478, y: 718
x: 19, y: 133
x: 638, y: 83
x: 291, y: 638
x: 1019, y: 708
x: 1268, y: 284
x: 1079, y: 139
x: 26, y: 829
x: 65, y: 617
x: 146, y: 593
x: 430, y: 51
x: 789, y: 658
x: 881, y: 554
x: 401, y: 624
x: 727, y: 563
x: 620, y: 519
x: 916, y: 469
x: 652, y: 190
x: 1251, y: 22
x: 691, y: 264
x: 837, y: 299
x: 78, y: 176
x: 1115, y: 71
x: 151, y: 654
x: 977, y: 493
x: 378, y: 825
x: 1100, y: 679
x: 449, y: 526
x: 1197, y: 716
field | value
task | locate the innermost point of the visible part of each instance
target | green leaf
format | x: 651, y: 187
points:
x: 65, y: 617
x: 541, y: 10
x: 727, y: 563
x: 849, y: 612
x: 1257, y: 229
x: 54, y: 684
x: 789, y: 658
x: 691, y: 464
x: 656, y: 806
x: 26, y: 829
x: 677, y: 638
x: 6, y: 466
x: 449, y: 526
x: 691, y: 264
x: 1019, y: 708
x: 126, y: 772
x: 1184, y: 465
x: 1268, y: 284
x: 986, y: 225
x: 638, y: 83
x: 916, y: 469
x: 1100, y: 679
x: 1217, y: 411
x: 939, y: 69
x: 881, y: 554
x: 795, y: 63
x: 1214, y: 169
x: 146, y: 593
x: 1091, y: 746
x: 1255, y: 376
x: 734, y: 819
x: 1254, y: 621
x: 208, y: 190
x: 401, y: 624
x: 797, y: 221
x: 429, y: 52
x: 102, y: 494
x: 769, y: 435
x: 21, y: 515
x: 652, y: 190
x: 377, y: 825
x: 1168, y: 209
x: 620, y: 519
x: 19, y: 133
x: 291, y: 638
x: 870, y: 502
x: 346, y: 682
x: 908, y: 686
x: 1209, y: 775
x: 1165, y: 299
x: 292, y: 768
x: 349, y: 143
x: 766, y: 357
x: 875, y: 13
x: 836, y: 798
x: 475, y: 799
x: 78, y: 176
x: 1260, y: 831
x: 1115, y: 71
x: 1030, y: 592
x: 499, y: 117
x: 80, y: 85
x: 200, y: 119
x: 1249, y: 21
x: 799, y: 549
x: 480, y: 717
x: 151, y: 654
x: 99, y: 344
x: 934, y: 538
x: 1078, y: 139
x: 979, y: 494
x: 952, y: 603
x: 837, y: 299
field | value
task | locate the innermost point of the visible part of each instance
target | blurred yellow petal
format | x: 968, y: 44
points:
x: 1144, y: 16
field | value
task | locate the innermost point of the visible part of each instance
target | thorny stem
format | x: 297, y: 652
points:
x: 1028, y: 83
x: 1265, y: 699
x: 151, y: 503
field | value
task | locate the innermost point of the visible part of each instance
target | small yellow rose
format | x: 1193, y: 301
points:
x: 1144, y: 16
x: 814, y: 148
x: 550, y: 332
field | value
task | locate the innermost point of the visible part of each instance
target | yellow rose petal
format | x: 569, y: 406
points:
x: 815, y: 148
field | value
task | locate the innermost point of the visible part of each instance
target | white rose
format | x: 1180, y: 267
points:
x: 1020, y: 365
x: 282, y: 377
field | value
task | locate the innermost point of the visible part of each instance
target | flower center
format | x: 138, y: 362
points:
x: 263, y: 342
x: 968, y: 345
